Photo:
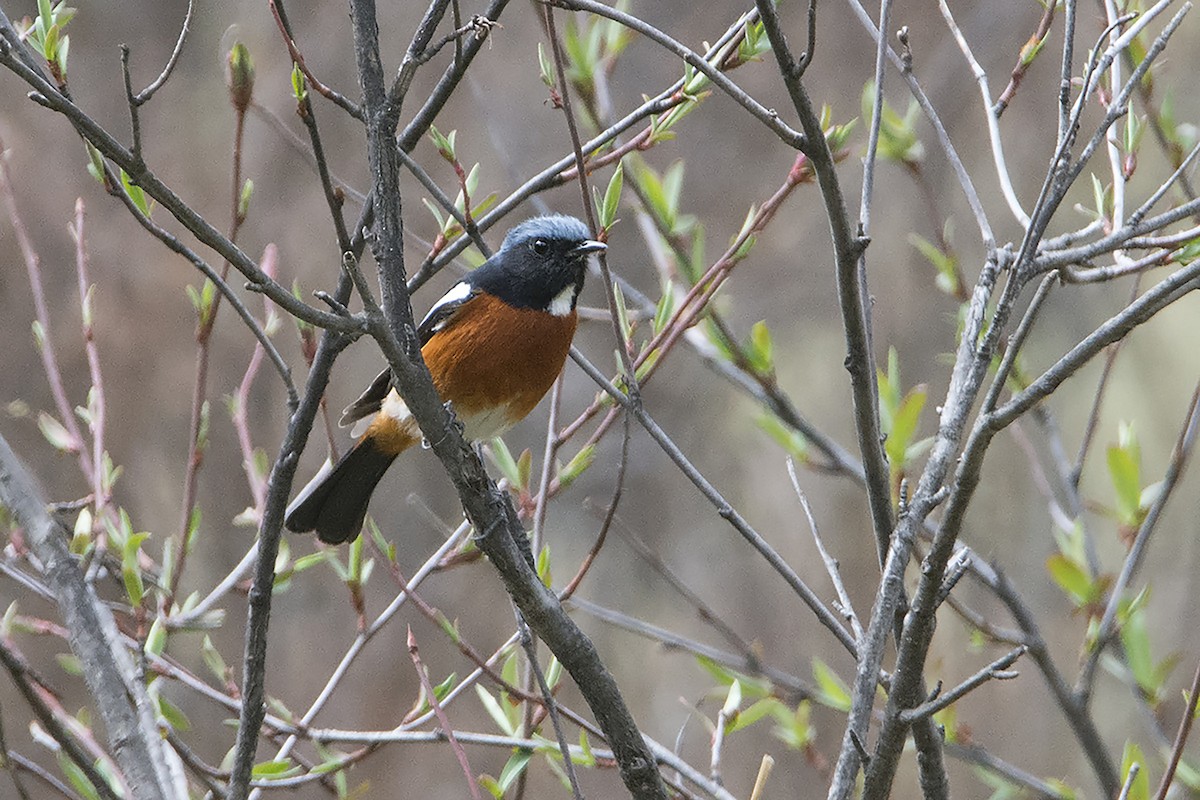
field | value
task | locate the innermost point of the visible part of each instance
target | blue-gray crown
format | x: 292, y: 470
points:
x: 556, y: 226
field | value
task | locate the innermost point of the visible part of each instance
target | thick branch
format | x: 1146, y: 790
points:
x: 490, y: 510
x: 106, y: 665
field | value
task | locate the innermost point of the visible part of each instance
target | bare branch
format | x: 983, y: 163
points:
x: 997, y: 670
x: 107, y: 666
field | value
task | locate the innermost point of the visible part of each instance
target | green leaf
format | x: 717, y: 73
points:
x: 213, y: 660
x: 747, y: 238
x: 904, y: 421
x: 444, y: 144
x: 546, y: 68
x: 445, y: 687
x: 767, y: 706
x: 69, y: 663
x: 898, y: 140
x: 135, y: 193
x: 622, y: 311
x: 131, y: 570
x: 437, y: 214
x: 1140, y: 789
x: 83, y: 527
x: 612, y: 198
x: 733, y: 699
x: 6, y: 622
x: 299, y: 84
x: 156, y: 639
x: 496, y: 712
x: 472, y: 181
x: 889, y: 389
x: 576, y: 466
x: 1125, y: 472
x: 1135, y: 638
x: 1188, y: 253
x: 793, y: 728
x: 543, y: 566
x: 504, y: 461
x: 761, y: 351
x: 56, y: 433
x: 832, y: 691
x: 76, y: 777
x: 553, y: 672
x: 524, y: 469
x: 244, y: 198
x: 1071, y: 578
x: 273, y: 769
x: 665, y: 308
x: 173, y: 714
x: 489, y: 783
x: 513, y: 768
x: 945, y: 263
x: 790, y: 439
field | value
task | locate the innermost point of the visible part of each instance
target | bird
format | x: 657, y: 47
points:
x: 494, y: 343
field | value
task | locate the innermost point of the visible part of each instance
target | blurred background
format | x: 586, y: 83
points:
x: 145, y: 334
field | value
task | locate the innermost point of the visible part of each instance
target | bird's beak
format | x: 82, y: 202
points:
x: 589, y: 246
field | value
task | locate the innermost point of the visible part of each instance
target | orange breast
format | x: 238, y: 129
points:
x: 493, y: 355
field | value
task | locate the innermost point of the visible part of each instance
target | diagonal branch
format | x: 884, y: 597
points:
x: 107, y: 667
x: 490, y: 511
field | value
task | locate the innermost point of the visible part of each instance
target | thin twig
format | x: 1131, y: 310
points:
x: 447, y: 728
x: 18, y: 670
x: 764, y: 115
x: 337, y: 98
x: 96, y: 398
x: 993, y: 113
x: 1130, y: 777
x: 529, y: 645
x: 1181, y: 737
x: 997, y: 670
x: 66, y: 412
x: 1024, y: 59
x: 831, y: 564
x: 726, y: 511
x: 1107, y: 628
x: 143, y: 97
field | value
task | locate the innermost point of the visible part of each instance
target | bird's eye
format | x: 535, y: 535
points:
x: 540, y: 247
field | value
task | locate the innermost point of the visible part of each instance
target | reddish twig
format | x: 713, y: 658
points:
x: 42, y: 315
x: 204, y: 328
x: 1025, y: 59
x: 459, y: 753
x: 241, y: 424
x: 96, y: 405
x: 335, y: 97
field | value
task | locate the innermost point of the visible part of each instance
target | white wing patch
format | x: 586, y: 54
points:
x: 456, y: 294
x: 563, y: 303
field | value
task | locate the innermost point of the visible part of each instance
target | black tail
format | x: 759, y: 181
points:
x: 334, y: 503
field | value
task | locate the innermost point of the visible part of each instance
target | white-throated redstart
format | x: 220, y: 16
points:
x: 494, y: 344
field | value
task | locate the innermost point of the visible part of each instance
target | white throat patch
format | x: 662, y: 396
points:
x: 563, y: 303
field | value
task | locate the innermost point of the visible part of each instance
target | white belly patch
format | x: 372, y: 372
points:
x: 476, y: 427
x: 487, y: 424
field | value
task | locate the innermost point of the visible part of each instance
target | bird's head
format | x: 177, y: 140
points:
x: 541, y: 264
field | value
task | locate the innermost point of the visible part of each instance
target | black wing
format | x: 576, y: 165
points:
x: 371, y: 400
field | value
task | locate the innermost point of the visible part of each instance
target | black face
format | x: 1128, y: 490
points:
x: 539, y: 260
